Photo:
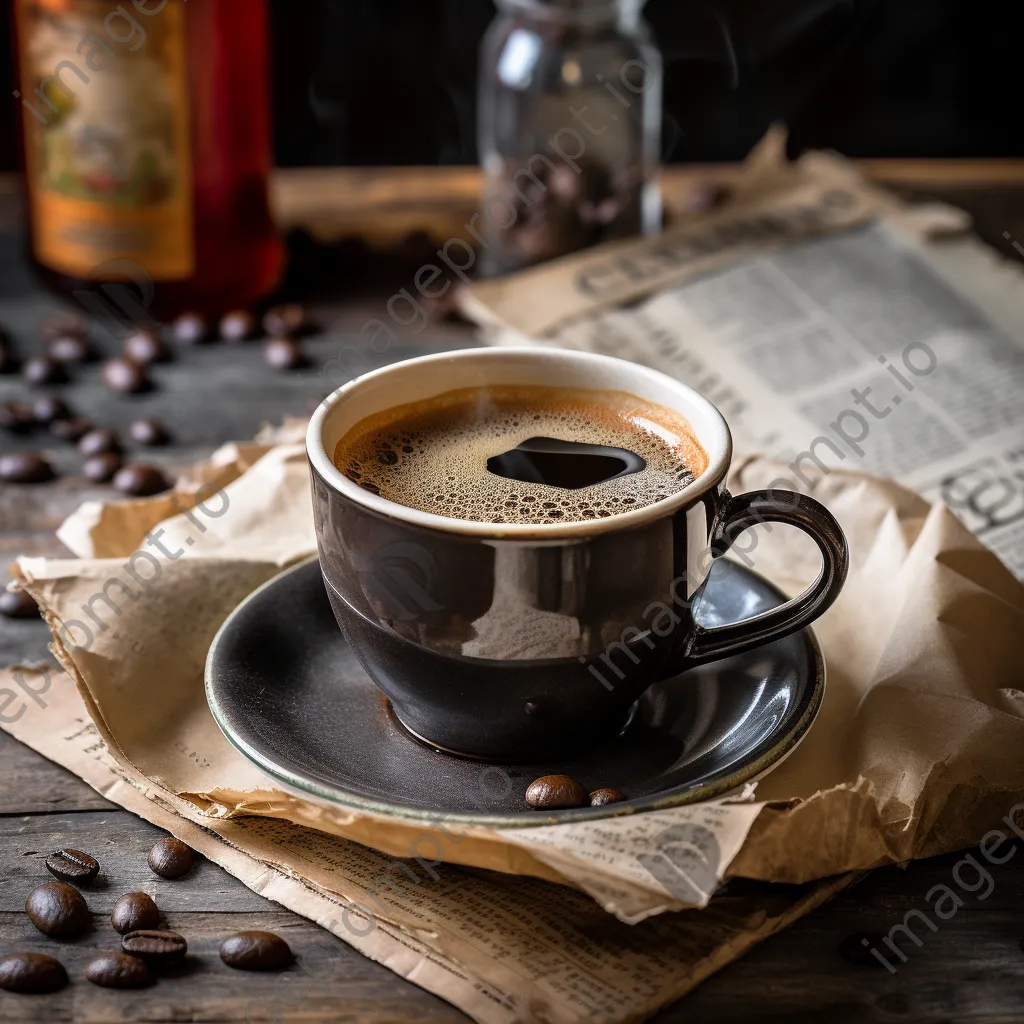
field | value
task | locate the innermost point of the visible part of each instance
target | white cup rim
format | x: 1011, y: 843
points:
x: 712, y: 432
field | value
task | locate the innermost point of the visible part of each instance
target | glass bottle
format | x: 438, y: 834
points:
x: 569, y: 129
x: 146, y: 149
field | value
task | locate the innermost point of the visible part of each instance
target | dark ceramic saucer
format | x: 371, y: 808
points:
x: 288, y: 692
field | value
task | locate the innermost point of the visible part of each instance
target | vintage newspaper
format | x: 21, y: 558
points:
x: 504, y: 949
x: 833, y: 326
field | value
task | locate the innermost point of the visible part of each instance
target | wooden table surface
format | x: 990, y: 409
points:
x: 971, y: 969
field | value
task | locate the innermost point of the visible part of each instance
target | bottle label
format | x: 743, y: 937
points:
x: 104, y: 91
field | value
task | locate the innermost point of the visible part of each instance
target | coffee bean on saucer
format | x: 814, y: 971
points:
x: 25, y: 468
x: 72, y: 430
x: 72, y: 866
x: 18, y: 604
x: 43, y: 371
x: 50, y: 408
x: 190, y: 329
x: 32, y: 974
x: 100, y: 469
x: 141, y: 480
x: 145, y: 347
x: 602, y: 797
x: 70, y: 348
x: 55, y: 325
x: 155, y: 947
x: 126, y: 377
x: 149, y: 432
x: 17, y: 417
x: 285, y: 321
x: 556, y: 791
x: 857, y: 948
x: 283, y: 354
x: 133, y: 912
x: 255, y: 951
x: 171, y: 858
x: 102, y: 439
x: 119, y: 970
x: 57, y: 910
x: 237, y: 325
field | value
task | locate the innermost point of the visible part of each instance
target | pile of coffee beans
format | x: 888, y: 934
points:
x: 67, y: 346
x: 60, y: 911
x: 558, y: 792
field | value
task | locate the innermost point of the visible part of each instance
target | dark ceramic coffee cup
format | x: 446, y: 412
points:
x: 522, y: 642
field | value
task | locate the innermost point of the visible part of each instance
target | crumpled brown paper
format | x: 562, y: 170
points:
x: 916, y: 750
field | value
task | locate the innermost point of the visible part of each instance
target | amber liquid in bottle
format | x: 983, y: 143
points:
x: 147, y: 149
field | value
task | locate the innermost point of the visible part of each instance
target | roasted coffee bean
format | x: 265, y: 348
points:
x: 43, y: 371
x: 283, y: 354
x: 190, y: 329
x: 102, y: 439
x: 32, y: 973
x: 141, y: 480
x: 119, y: 970
x: 255, y: 951
x: 73, y: 429
x: 72, y: 866
x: 50, y: 408
x: 149, y: 432
x: 70, y: 348
x: 126, y: 377
x: 25, y: 468
x: 237, y: 325
x: 133, y: 912
x: 145, y: 347
x: 18, y: 604
x: 100, y: 469
x: 17, y: 417
x: 556, y: 791
x: 155, y: 947
x: 55, y: 325
x: 171, y: 858
x: 285, y: 321
x: 601, y: 797
x: 857, y: 948
x: 57, y: 910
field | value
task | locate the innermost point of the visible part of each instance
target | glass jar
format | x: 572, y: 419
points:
x: 569, y: 129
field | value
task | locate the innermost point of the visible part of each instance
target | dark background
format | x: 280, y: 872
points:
x: 393, y: 81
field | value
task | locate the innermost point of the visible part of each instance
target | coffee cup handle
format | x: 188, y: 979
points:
x: 793, y: 509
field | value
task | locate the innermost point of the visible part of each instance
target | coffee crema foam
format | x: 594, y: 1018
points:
x: 432, y: 455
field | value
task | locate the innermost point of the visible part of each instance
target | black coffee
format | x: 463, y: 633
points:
x: 523, y: 454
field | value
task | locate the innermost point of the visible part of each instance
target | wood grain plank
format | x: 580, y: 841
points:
x: 971, y: 968
x: 32, y: 785
x: 329, y: 981
x: 121, y: 842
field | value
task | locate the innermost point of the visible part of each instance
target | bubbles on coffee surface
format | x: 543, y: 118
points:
x: 458, y: 455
